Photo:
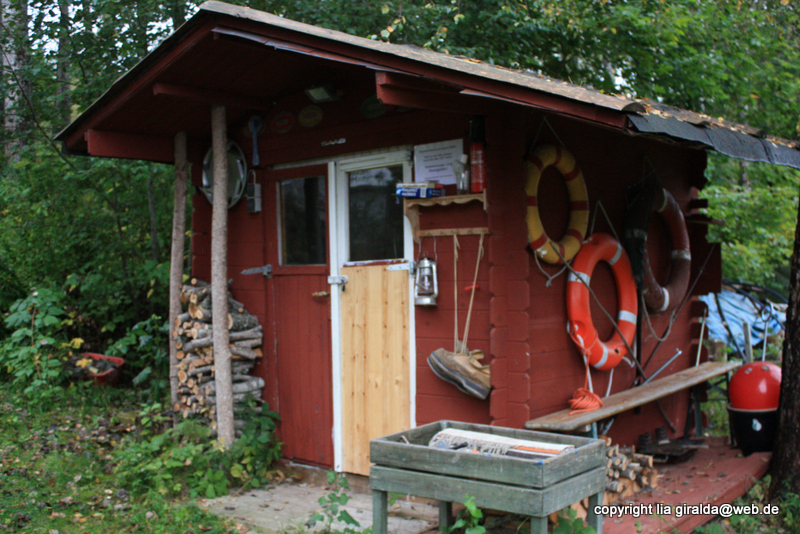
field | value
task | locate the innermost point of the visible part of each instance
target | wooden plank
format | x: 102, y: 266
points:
x: 625, y: 400
x: 375, y: 366
x: 413, y: 451
x: 514, y: 499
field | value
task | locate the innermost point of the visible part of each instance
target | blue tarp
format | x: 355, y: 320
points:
x: 736, y: 309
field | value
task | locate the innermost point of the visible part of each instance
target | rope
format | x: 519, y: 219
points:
x: 472, y: 296
x: 585, y: 400
x: 455, y: 293
x: 549, y: 278
x: 673, y: 317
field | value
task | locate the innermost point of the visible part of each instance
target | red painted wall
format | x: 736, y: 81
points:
x: 518, y: 317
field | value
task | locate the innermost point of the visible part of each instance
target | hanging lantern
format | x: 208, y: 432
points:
x: 426, y: 286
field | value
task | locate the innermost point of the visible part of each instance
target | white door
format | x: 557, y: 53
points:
x: 374, y: 323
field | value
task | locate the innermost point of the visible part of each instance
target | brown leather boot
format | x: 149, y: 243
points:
x: 463, y: 371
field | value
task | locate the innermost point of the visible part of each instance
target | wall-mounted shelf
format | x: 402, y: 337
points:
x: 411, y: 210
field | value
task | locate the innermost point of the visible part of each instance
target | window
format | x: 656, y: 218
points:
x: 303, y: 223
x: 376, y: 214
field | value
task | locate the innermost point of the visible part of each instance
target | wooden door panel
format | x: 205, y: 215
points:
x: 375, y: 367
x: 304, y: 368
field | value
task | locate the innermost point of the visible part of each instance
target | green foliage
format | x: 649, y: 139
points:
x: 469, y: 518
x: 32, y: 354
x: 184, y: 460
x: 56, y: 470
x: 333, y: 507
x: 570, y: 523
x: 759, y: 209
x: 145, y: 349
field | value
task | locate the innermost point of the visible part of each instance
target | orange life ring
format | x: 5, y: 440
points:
x: 660, y: 298
x: 544, y: 247
x: 603, y: 355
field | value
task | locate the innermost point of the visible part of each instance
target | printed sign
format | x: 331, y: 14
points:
x: 434, y: 161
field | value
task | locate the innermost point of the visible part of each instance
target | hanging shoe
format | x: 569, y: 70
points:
x: 463, y: 371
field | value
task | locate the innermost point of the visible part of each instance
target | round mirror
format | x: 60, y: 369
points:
x: 237, y: 174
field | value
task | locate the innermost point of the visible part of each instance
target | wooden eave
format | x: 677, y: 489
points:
x: 209, y: 60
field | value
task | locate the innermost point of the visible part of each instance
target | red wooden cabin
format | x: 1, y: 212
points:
x: 346, y: 363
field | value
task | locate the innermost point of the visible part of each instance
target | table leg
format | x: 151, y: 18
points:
x: 539, y: 525
x: 595, y: 520
x: 380, y: 518
x: 445, y: 515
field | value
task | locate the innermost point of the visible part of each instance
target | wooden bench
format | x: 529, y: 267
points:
x: 620, y: 402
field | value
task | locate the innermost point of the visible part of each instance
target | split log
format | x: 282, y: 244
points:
x: 198, y: 312
x: 253, y: 337
x: 238, y: 397
x: 245, y: 353
x: 234, y: 304
x: 248, y: 343
x: 253, y: 384
x: 258, y: 331
x: 241, y: 321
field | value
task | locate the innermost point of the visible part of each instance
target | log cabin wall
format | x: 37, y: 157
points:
x: 517, y: 320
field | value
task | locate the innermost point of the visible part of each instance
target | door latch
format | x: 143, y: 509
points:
x: 338, y: 280
x: 266, y: 270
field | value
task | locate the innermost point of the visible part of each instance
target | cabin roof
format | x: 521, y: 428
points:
x: 248, y: 59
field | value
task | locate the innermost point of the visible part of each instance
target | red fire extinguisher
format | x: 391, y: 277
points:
x: 477, y: 154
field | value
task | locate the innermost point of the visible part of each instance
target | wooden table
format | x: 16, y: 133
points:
x: 536, y: 488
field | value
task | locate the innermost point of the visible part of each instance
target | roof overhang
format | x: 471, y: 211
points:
x: 247, y: 60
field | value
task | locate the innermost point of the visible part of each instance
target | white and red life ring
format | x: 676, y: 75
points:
x: 660, y: 298
x: 544, y: 156
x: 603, y: 355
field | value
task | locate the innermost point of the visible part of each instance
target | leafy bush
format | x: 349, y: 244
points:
x: 32, y: 354
x: 145, y: 348
x: 184, y: 460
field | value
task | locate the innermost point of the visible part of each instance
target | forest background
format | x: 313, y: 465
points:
x: 84, y: 242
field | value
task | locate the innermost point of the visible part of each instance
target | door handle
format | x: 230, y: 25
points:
x: 320, y: 294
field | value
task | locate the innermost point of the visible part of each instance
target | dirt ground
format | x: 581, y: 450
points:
x: 287, y: 507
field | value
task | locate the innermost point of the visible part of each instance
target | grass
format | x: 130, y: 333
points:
x: 58, y: 469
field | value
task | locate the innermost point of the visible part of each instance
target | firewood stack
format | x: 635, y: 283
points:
x: 195, y: 343
x: 627, y: 472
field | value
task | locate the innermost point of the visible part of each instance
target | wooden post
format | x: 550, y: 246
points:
x: 219, y: 278
x: 176, y: 261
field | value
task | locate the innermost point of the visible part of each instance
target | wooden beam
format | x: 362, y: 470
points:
x: 176, y: 258
x: 207, y: 96
x: 129, y: 146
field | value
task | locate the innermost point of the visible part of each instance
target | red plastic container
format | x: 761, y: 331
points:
x: 109, y: 377
x: 756, y: 386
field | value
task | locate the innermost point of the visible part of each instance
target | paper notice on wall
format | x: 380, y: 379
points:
x: 434, y: 161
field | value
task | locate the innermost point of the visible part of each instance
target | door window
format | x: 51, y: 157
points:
x: 376, y: 214
x: 302, y: 221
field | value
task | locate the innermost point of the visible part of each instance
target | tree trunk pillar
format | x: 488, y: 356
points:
x: 219, y: 275
x: 176, y: 260
x: 785, y: 466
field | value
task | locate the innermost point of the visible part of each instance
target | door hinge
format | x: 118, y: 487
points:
x: 266, y: 270
x: 409, y: 266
